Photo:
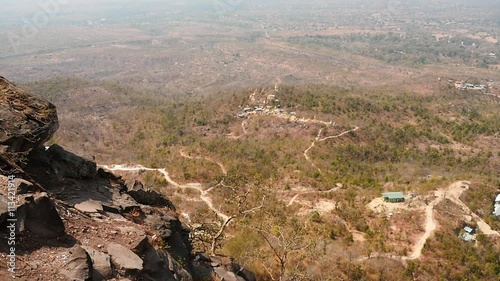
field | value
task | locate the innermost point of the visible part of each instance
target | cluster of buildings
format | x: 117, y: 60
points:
x: 267, y: 103
x: 248, y: 111
x: 469, y: 86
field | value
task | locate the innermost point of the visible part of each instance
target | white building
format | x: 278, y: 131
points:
x: 496, y: 208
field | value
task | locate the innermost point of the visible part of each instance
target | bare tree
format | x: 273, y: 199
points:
x: 241, y: 211
x: 283, y: 243
x: 213, y: 232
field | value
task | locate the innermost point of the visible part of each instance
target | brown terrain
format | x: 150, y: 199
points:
x: 253, y: 142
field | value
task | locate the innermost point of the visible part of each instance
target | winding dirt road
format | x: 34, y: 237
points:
x: 204, y: 196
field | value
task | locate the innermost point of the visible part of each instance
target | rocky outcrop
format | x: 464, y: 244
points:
x: 69, y: 165
x: 124, y: 259
x: 87, y: 225
x: 78, y: 266
x: 147, y: 196
x: 159, y: 264
x: 39, y: 216
x: 101, y: 264
x: 89, y: 206
x: 224, y: 268
x: 26, y: 121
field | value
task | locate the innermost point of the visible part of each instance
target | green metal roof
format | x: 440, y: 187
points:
x: 393, y: 195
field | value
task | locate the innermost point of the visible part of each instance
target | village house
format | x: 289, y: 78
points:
x: 393, y: 197
x: 467, y: 234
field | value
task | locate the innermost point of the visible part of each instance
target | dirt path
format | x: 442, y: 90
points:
x: 222, y: 167
x: 294, y: 199
x: 319, y: 139
x: 245, y: 132
x: 196, y: 186
x: 490, y: 94
x: 452, y: 192
x: 244, y: 127
x: 310, y: 147
x: 429, y: 227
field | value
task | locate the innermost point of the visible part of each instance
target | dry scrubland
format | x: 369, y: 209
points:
x: 164, y: 91
x: 403, y: 137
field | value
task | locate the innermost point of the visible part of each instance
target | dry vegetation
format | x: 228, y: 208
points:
x: 171, y: 84
x: 397, y: 146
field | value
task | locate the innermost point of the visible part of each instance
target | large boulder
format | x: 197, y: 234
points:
x: 156, y: 266
x: 223, y: 268
x: 39, y: 216
x: 69, y: 165
x: 101, y: 264
x: 147, y: 196
x: 123, y: 258
x: 26, y: 121
x: 78, y: 266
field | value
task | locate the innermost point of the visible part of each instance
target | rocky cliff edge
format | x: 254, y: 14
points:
x: 74, y: 221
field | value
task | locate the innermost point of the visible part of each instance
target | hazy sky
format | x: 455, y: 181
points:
x: 15, y: 11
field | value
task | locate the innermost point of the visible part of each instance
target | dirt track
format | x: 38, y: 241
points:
x: 319, y: 139
x: 452, y: 192
x: 196, y: 186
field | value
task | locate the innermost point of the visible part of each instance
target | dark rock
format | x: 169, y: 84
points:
x: 69, y: 165
x: 27, y: 122
x: 155, y: 264
x: 101, y: 264
x: 39, y: 157
x: 202, y: 257
x: 110, y: 209
x: 123, y: 201
x: 148, y: 196
x: 40, y: 216
x: 103, y: 174
x: 180, y: 248
x: 246, y: 274
x: 180, y: 273
x: 161, y: 224
x: 79, y: 265
x: 123, y: 258
x: 223, y: 267
x: 24, y: 186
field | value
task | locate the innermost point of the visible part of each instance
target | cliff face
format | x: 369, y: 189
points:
x: 26, y: 122
x: 88, y: 224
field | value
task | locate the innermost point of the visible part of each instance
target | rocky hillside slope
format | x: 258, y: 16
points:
x: 74, y: 221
